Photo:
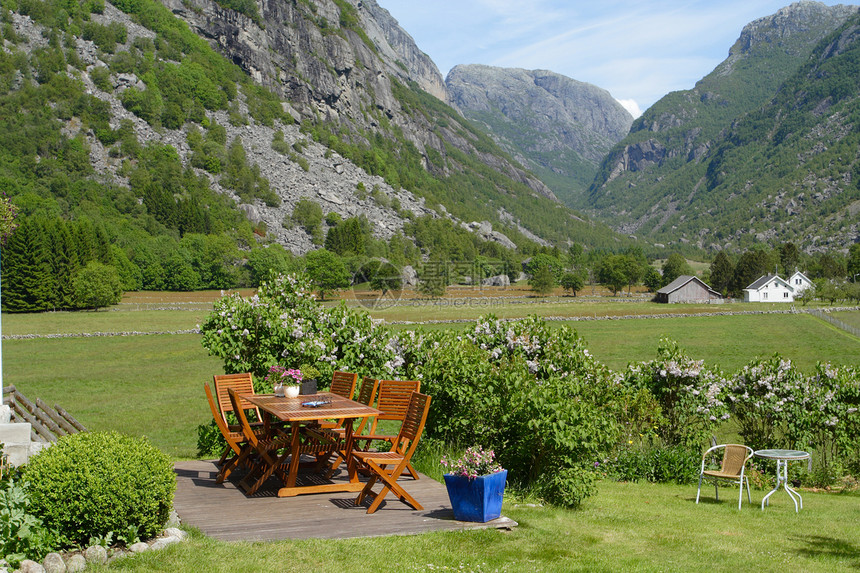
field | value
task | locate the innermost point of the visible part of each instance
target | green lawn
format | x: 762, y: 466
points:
x: 152, y: 385
x: 141, y: 385
x: 626, y: 527
x: 727, y: 341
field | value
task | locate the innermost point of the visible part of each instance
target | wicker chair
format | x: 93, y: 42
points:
x: 735, y: 457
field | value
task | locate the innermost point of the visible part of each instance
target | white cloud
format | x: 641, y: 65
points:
x: 631, y: 106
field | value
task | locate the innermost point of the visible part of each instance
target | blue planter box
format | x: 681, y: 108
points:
x: 478, y: 499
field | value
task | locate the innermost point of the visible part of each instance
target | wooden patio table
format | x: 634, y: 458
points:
x: 291, y: 411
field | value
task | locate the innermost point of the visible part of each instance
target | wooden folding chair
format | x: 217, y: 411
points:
x: 243, y: 384
x: 399, y: 456
x: 394, y: 397
x: 343, y: 384
x: 262, y: 452
x: 233, y: 435
x: 366, y: 396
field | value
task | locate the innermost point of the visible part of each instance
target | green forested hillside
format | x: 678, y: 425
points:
x: 157, y: 219
x: 672, y: 180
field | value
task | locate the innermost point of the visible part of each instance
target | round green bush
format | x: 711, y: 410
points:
x: 93, y: 483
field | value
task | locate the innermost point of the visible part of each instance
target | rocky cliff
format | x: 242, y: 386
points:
x: 339, y: 60
x: 559, y: 127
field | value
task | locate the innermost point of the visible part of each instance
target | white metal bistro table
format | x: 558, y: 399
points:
x: 782, y: 458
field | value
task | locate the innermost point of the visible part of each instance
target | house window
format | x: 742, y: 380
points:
x: 785, y: 295
x: 765, y: 296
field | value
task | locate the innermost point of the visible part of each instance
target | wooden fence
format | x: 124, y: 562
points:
x: 47, y: 423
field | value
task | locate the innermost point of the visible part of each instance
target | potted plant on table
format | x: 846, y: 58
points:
x: 284, y: 381
x: 309, y: 379
x: 476, y: 485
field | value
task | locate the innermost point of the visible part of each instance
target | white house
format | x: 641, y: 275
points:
x: 770, y: 288
x: 799, y: 282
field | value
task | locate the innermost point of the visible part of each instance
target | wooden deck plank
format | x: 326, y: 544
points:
x: 224, y: 512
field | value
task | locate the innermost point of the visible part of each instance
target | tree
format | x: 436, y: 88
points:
x: 97, y: 285
x: 346, y: 238
x: 652, y: 279
x: 265, y: 261
x: 854, y: 262
x: 572, y: 282
x: 308, y: 215
x: 433, y: 277
x: 611, y: 272
x: 634, y: 269
x: 386, y: 277
x: 326, y: 271
x: 27, y: 279
x: 789, y: 257
x: 721, y: 270
x: 675, y: 266
x: 751, y: 266
x: 543, y: 280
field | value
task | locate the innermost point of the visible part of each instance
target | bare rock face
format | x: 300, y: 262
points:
x: 545, y: 119
x: 345, y: 75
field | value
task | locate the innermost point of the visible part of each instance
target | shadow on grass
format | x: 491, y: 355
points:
x: 818, y: 546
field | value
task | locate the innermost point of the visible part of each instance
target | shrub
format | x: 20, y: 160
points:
x: 691, y: 396
x: 22, y: 534
x: 94, y: 483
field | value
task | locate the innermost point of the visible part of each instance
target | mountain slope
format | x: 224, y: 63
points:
x: 559, y: 127
x: 655, y: 182
x: 359, y: 85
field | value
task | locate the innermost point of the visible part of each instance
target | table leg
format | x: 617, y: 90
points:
x: 790, y: 491
x: 782, y: 478
x: 347, y: 450
x: 295, y: 442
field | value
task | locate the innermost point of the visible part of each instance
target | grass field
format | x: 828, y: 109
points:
x: 152, y: 385
x: 626, y: 527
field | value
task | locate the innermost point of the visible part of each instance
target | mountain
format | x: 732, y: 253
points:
x: 358, y: 83
x: 711, y: 167
x: 173, y: 140
x: 560, y: 128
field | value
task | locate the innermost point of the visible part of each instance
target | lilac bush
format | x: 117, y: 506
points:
x: 690, y: 395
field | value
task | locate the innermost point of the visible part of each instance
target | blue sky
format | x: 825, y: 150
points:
x: 638, y: 51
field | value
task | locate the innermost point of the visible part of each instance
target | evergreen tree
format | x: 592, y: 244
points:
x: 27, y: 277
x: 652, y: 279
x: 721, y: 270
x: 346, y: 238
x: 543, y: 280
x: 789, y: 258
x: 63, y: 258
x: 675, y: 266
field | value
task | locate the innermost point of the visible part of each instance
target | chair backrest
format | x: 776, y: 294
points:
x: 219, y: 419
x: 242, y: 384
x: 734, y: 458
x: 413, y: 424
x: 366, y: 395
x: 235, y: 399
x: 343, y: 384
x: 367, y: 392
x: 394, y: 397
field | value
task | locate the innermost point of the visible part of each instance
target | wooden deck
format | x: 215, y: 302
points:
x: 226, y: 513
